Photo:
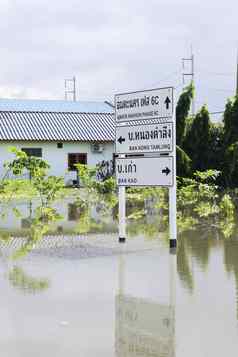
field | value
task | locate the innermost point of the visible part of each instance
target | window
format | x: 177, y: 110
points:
x: 59, y: 145
x: 76, y: 159
x: 37, y: 152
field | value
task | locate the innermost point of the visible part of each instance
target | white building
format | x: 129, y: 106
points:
x: 61, y: 132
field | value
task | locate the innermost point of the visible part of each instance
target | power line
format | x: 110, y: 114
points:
x: 218, y: 73
x: 219, y: 89
x: 169, y: 76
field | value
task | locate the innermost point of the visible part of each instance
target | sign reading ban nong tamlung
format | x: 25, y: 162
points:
x: 144, y: 138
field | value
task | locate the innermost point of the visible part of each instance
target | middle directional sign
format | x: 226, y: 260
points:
x: 144, y: 138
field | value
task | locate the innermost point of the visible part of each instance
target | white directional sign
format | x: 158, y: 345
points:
x: 144, y: 171
x: 149, y: 104
x: 144, y: 138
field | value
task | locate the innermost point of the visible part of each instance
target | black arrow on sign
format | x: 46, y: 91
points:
x: 167, y: 102
x: 121, y: 139
x: 166, y: 171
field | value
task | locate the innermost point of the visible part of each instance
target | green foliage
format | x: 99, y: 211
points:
x: 186, y: 223
x: 48, y: 188
x: 35, y: 165
x: 227, y: 206
x: 208, y: 176
x: 196, y: 192
x: 230, y: 121
x: 183, y: 163
x: 182, y: 111
x: 231, y: 165
x: 106, y: 186
x: 39, y: 225
x: 215, y: 151
x: 16, y: 189
x: 87, y: 176
x: 197, y: 142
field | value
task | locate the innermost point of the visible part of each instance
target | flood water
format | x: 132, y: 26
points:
x: 85, y: 295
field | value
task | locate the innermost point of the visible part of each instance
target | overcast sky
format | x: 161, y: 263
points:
x: 117, y: 46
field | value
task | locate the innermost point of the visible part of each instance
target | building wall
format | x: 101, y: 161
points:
x: 58, y: 158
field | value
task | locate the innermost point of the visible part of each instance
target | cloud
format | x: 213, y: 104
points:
x: 113, y: 46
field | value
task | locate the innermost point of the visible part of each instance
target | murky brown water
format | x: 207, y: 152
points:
x: 87, y: 296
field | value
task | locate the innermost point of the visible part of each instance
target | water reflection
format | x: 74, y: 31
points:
x: 123, y: 305
x: 144, y: 327
x: 73, y: 216
x: 194, y: 253
x: 77, y: 296
x: 231, y: 263
x: 25, y: 282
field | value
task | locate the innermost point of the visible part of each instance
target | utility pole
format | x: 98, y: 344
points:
x: 189, y: 74
x: 70, y: 88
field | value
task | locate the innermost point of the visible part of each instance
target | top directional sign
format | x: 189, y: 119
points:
x: 148, y: 104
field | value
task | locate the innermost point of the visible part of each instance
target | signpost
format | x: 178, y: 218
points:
x: 144, y: 138
x: 145, y: 127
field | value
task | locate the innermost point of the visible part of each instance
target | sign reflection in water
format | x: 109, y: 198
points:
x: 143, y: 327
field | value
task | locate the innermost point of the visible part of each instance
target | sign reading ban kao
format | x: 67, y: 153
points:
x: 144, y: 171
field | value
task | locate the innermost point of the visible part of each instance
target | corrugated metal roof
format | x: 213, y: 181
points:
x: 62, y: 106
x: 56, y: 126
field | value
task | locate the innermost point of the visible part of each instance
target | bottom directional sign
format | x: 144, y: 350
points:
x: 145, y: 171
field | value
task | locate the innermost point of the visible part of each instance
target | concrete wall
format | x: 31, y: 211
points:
x: 58, y: 158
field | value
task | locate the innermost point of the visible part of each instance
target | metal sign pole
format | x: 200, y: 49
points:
x: 122, y: 212
x: 173, y: 270
x: 172, y: 216
x: 173, y: 196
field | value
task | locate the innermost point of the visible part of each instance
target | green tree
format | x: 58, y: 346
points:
x: 216, y: 152
x: 182, y: 111
x: 183, y: 163
x: 197, y: 141
x: 47, y: 187
x: 230, y: 121
x: 34, y: 165
x: 230, y: 171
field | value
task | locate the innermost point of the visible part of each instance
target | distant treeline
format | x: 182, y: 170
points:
x: 203, y: 145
